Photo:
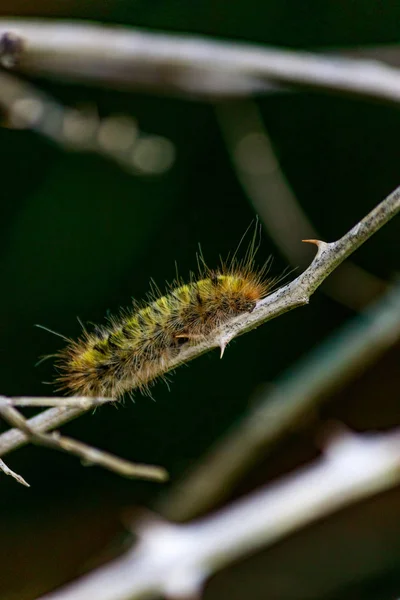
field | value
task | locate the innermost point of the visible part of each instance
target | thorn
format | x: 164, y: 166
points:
x: 316, y: 242
x: 319, y: 243
x: 223, y: 344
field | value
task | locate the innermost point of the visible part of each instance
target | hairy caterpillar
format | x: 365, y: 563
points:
x: 133, y: 349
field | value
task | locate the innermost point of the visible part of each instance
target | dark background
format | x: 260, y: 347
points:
x: 81, y: 237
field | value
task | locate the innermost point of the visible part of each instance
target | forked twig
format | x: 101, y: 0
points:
x: 295, y: 294
x: 88, y: 454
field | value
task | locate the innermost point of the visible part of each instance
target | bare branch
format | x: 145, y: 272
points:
x: 295, y: 294
x: 90, y: 456
x: 84, y: 402
x: 44, y: 421
x: 298, y: 393
x: 174, y: 560
x: 265, y: 185
x: 7, y: 471
x: 126, y: 57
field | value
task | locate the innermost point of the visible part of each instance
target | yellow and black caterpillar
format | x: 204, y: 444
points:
x: 135, y: 348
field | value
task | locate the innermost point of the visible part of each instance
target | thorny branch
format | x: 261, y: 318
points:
x: 293, y: 398
x: 194, y: 66
x: 175, y: 560
x: 295, y: 294
x: 258, y: 170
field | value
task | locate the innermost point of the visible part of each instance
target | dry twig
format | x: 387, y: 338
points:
x: 84, y: 402
x: 89, y: 455
x: 295, y: 294
x: 7, y: 471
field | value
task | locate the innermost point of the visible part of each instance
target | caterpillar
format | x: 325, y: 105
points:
x: 135, y: 347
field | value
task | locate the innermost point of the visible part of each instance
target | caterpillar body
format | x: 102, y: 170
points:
x: 135, y: 348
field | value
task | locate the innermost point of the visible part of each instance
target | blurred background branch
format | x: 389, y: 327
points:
x: 175, y: 560
x: 257, y: 169
x: 310, y: 152
x: 116, y: 137
x: 128, y: 58
x: 293, y: 400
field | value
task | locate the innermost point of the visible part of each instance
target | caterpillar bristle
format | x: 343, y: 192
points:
x: 136, y: 347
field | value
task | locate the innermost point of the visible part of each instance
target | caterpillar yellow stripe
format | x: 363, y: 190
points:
x: 135, y: 348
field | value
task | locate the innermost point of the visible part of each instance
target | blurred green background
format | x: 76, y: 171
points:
x: 81, y: 237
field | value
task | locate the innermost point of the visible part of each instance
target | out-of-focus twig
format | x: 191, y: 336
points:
x: 298, y: 393
x: 175, y: 560
x: 267, y: 188
x: 116, y: 137
x: 293, y: 295
x: 90, y: 455
x: 126, y: 57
